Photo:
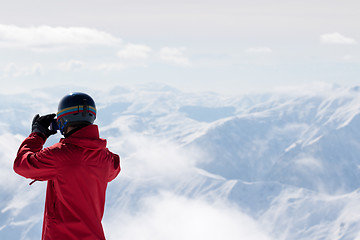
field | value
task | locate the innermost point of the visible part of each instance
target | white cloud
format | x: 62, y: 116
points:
x: 350, y: 58
x: 134, y: 51
x: 309, y: 162
x: 108, y: 67
x: 13, y: 70
x: 156, y: 157
x: 117, y: 66
x: 259, y: 50
x: 72, y: 65
x: 168, y: 216
x: 173, y: 55
x: 45, y: 37
x: 336, y: 38
x: 9, y: 144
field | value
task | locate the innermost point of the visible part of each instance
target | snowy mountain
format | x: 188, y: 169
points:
x: 276, y: 165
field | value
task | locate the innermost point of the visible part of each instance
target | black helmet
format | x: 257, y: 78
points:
x: 75, y: 108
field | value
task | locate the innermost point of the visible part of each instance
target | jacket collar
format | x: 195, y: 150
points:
x: 86, y: 137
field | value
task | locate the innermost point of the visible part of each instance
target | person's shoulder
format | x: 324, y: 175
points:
x: 57, y: 147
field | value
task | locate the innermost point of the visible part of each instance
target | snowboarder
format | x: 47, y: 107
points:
x: 77, y: 169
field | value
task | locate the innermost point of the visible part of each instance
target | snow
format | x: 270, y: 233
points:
x: 273, y: 165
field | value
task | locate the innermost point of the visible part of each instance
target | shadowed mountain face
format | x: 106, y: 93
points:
x: 284, y: 165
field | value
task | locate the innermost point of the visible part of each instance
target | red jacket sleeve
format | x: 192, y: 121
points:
x: 115, y: 168
x: 33, y: 162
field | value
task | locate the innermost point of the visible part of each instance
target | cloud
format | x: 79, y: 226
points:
x: 108, y: 67
x: 259, y: 50
x: 9, y: 144
x: 134, y: 51
x: 350, y: 58
x: 160, y: 174
x: 336, y: 38
x: 47, y: 37
x: 173, y: 55
x: 72, y: 65
x: 13, y: 70
x: 309, y: 162
x: 168, y: 216
x: 153, y: 157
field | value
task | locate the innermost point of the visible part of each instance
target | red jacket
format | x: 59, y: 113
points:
x: 77, y: 169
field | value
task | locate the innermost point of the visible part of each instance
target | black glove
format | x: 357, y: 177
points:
x: 41, y: 124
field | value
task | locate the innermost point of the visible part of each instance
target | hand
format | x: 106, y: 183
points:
x: 41, y: 124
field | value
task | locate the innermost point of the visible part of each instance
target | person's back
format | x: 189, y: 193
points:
x: 78, y: 169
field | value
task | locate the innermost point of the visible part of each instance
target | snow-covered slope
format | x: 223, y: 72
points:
x: 277, y: 165
x: 310, y: 142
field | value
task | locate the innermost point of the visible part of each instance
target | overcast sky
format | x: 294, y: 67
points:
x: 228, y: 46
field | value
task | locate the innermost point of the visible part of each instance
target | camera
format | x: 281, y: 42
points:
x: 54, y: 125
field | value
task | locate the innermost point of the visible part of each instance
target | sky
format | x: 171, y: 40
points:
x: 227, y: 46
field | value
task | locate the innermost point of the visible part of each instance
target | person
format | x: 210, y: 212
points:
x: 77, y: 169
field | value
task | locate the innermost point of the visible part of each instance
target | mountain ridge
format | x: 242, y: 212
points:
x: 285, y: 162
